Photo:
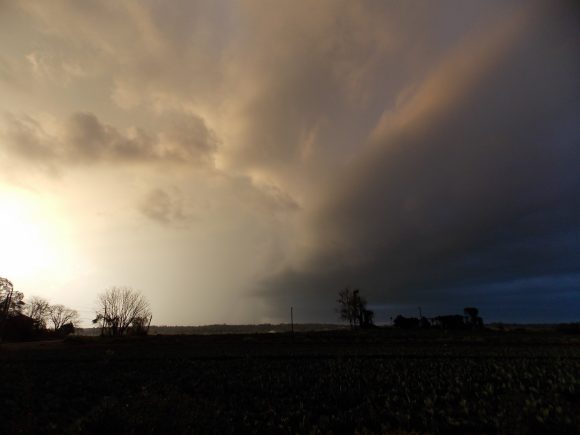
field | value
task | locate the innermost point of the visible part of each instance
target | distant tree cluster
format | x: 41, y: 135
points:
x: 469, y: 320
x: 121, y: 311
x: 352, y: 308
x: 36, y: 318
x: 45, y: 315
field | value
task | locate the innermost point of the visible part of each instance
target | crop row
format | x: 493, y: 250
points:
x: 289, y: 395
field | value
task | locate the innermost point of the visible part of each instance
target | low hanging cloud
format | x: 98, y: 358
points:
x: 83, y: 139
x: 204, y: 195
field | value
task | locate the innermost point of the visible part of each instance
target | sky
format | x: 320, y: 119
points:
x: 231, y: 159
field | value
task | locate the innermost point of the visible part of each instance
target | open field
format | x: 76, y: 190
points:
x: 265, y: 328
x: 324, y: 382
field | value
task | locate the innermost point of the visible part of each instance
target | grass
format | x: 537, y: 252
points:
x: 382, y: 381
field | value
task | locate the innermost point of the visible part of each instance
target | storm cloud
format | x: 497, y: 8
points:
x: 473, y: 180
x: 266, y: 154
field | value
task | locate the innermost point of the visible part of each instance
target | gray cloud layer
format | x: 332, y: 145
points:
x: 84, y: 139
x: 473, y: 181
x: 165, y: 207
x: 427, y: 152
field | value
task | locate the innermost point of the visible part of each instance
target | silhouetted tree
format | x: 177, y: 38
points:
x: 472, y: 317
x: 352, y: 308
x: 22, y: 321
x: 367, y: 318
x: 140, y: 325
x: 38, y: 309
x: 60, y: 315
x: 471, y: 312
x: 6, y: 292
x: 66, y: 329
x: 119, y: 308
x: 345, y: 306
x: 10, y: 303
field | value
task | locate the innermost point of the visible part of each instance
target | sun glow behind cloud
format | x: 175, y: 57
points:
x: 32, y: 243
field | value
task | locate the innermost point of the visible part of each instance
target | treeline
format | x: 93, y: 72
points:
x: 35, y: 318
x: 120, y: 311
x: 469, y: 320
x: 352, y: 308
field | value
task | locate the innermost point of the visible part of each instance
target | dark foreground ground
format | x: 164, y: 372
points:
x: 383, y: 381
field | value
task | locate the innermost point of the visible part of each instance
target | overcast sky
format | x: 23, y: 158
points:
x: 231, y: 159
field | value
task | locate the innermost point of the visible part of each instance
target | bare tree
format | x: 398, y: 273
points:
x: 60, y: 315
x: 119, y: 308
x: 345, y: 306
x: 140, y: 325
x: 38, y: 309
x: 6, y: 290
x: 472, y: 317
x: 352, y: 308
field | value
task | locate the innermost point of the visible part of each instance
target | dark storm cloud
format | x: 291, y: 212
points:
x: 323, y: 75
x: 474, y: 180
